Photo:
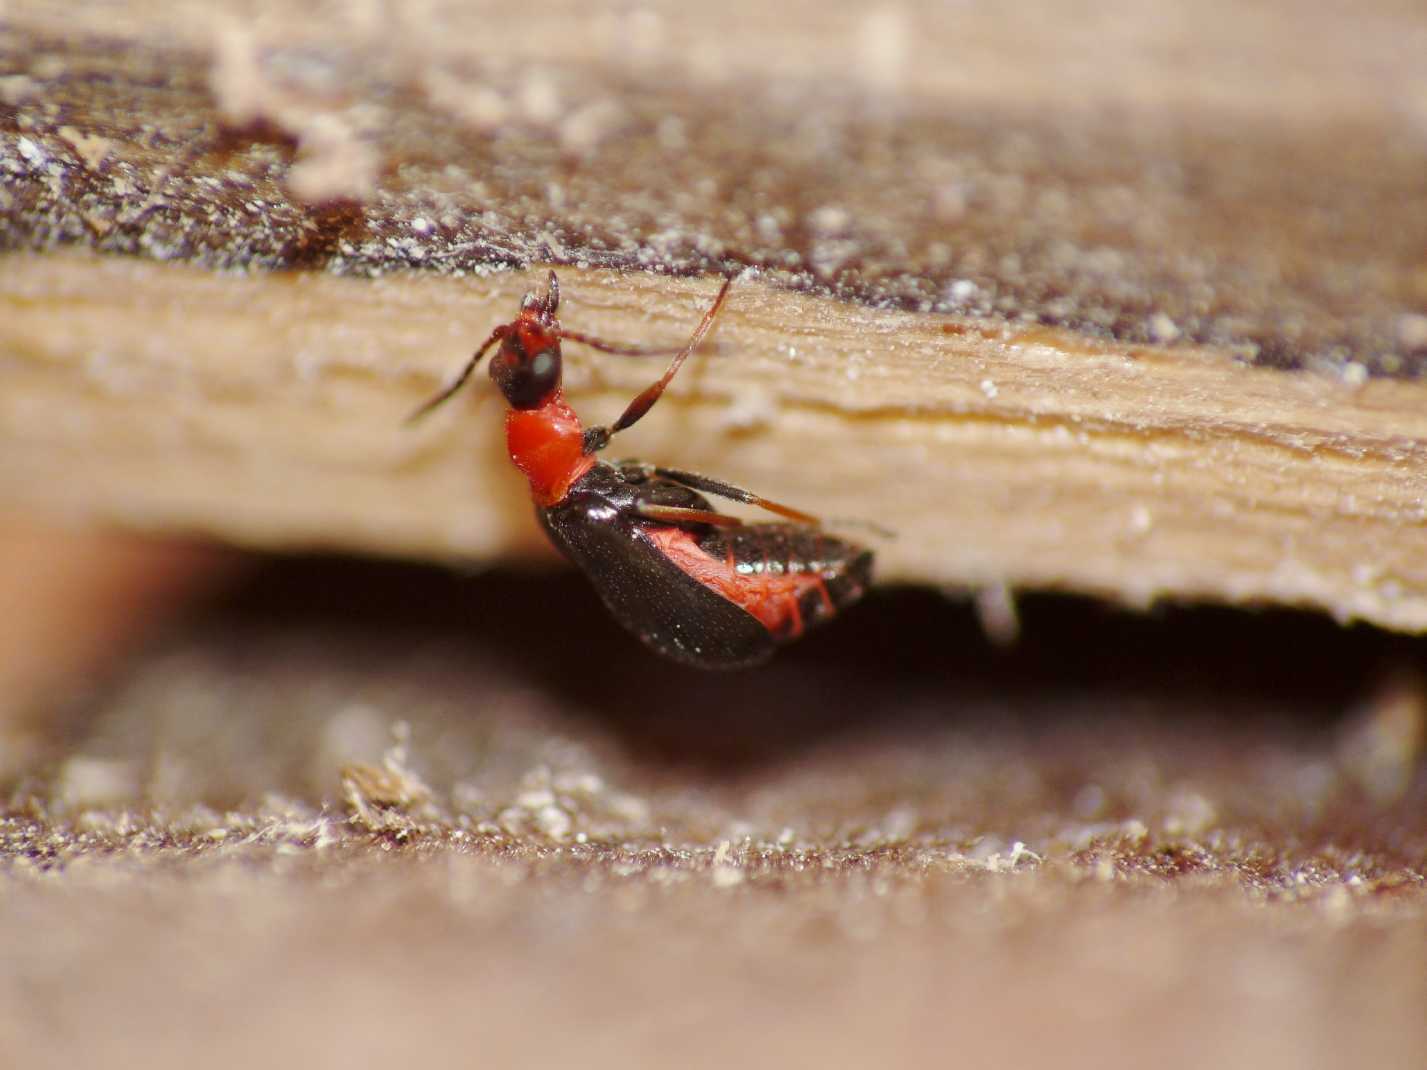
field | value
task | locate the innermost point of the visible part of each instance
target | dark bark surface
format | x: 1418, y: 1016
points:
x: 1151, y: 214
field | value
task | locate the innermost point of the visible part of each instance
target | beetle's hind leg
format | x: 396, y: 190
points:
x: 596, y: 438
x: 720, y: 489
x: 682, y: 517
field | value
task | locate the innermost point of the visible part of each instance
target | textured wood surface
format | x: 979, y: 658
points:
x: 268, y: 410
x: 1156, y: 336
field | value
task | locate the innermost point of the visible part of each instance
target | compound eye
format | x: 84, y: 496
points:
x: 545, y: 367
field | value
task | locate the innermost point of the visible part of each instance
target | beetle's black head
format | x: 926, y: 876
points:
x: 528, y: 365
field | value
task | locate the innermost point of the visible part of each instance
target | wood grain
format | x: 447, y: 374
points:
x: 268, y: 410
x: 1149, y: 327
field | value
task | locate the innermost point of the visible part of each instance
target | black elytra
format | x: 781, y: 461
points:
x: 599, y: 526
x: 696, y: 585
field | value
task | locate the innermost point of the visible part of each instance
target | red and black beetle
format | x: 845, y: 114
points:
x: 696, y: 585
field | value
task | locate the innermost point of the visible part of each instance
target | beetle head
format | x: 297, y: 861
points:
x: 528, y: 365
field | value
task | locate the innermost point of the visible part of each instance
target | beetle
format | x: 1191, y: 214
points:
x: 702, y: 587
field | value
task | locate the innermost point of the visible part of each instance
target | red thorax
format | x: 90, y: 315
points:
x: 547, y: 444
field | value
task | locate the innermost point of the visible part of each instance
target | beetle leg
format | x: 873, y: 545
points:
x: 718, y: 487
x: 645, y: 400
x: 460, y: 380
x: 674, y: 514
x: 616, y: 348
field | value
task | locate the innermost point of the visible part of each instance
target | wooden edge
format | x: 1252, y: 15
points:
x: 266, y: 410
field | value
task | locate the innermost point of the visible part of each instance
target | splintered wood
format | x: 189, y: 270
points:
x: 1153, y: 329
x: 268, y: 410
